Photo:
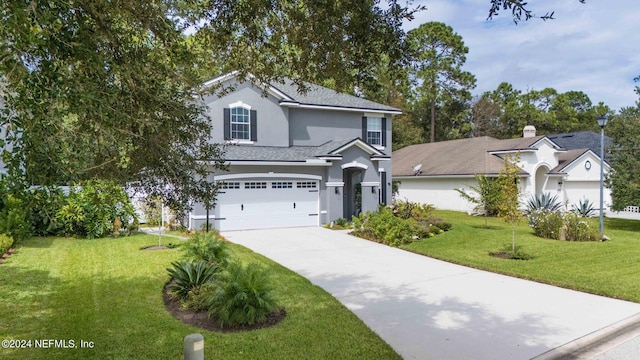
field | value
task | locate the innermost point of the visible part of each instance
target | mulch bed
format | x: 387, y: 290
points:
x: 202, y: 320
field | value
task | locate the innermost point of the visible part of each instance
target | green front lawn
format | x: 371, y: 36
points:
x: 109, y: 292
x: 610, y: 268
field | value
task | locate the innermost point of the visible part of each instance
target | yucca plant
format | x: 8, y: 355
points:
x: 187, y: 276
x: 206, y: 247
x: 543, y: 202
x: 244, y: 296
x: 584, y: 208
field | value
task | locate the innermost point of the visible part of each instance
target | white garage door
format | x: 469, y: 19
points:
x: 259, y: 204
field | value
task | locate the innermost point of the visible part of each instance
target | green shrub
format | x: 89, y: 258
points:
x: 437, y: 222
x: 45, y: 203
x: 384, y: 227
x: 412, y: 210
x: 92, y: 208
x: 15, y: 217
x: 546, y: 223
x: 341, y: 222
x: 577, y: 229
x: 188, y: 276
x: 206, y: 247
x: 244, y: 296
x: 561, y: 226
x: 6, y: 242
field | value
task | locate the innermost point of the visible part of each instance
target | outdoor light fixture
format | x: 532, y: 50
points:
x: 602, y: 122
x: 336, y: 190
x: 373, y: 189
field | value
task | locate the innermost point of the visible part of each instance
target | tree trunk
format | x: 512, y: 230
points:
x: 513, y: 238
x: 433, y: 121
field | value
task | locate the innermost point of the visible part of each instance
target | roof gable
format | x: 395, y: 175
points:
x: 570, y: 158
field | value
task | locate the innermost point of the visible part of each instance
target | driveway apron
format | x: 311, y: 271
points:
x: 430, y: 309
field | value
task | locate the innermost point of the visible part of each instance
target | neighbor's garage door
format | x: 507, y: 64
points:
x: 259, y: 204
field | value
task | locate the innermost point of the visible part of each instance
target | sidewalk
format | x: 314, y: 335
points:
x: 430, y: 309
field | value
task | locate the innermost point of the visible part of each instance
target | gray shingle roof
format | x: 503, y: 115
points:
x: 279, y: 153
x: 580, y: 140
x: 467, y: 156
x: 318, y: 95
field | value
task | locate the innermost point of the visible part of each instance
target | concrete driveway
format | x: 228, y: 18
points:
x: 430, y: 309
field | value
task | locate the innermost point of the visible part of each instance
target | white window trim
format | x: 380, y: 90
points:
x: 240, y: 104
x: 377, y: 146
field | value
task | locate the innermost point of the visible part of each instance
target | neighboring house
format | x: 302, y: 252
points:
x: 296, y: 159
x: 430, y: 173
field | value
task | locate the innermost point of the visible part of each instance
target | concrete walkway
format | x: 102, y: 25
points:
x: 430, y: 309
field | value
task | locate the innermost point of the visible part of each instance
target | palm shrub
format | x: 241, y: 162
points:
x: 243, y: 297
x: 206, y: 247
x: 187, y: 276
x: 584, y: 208
x: 543, y: 201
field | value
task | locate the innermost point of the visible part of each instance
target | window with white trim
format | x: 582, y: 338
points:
x: 240, y: 123
x: 374, y: 130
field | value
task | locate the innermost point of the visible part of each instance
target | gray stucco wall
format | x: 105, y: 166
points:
x: 273, y: 124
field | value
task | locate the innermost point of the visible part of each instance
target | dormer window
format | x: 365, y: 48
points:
x: 240, y: 122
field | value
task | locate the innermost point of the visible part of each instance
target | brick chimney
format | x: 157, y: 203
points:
x: 529, y: 131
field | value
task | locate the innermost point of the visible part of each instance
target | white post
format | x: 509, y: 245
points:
x: 193, y: 347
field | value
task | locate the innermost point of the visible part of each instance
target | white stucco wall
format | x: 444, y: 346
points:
x: 439, y: 192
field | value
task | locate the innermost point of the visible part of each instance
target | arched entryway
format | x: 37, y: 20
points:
x: 541, y: 179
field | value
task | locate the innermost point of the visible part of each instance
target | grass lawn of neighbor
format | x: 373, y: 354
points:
x: 108, y: 294
x: 610, y: 268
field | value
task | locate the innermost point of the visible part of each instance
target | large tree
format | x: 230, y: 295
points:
x: 436, y: 55
x: 110, y: 89
x: 624, y: 155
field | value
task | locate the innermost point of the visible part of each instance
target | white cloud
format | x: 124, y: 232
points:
x: 590, y: 47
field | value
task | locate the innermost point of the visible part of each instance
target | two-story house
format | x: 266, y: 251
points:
x: 296, y: 159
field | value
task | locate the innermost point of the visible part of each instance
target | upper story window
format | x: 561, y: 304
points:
x: 240, y: 125
x: 240, y: 122
x: 374, y: 130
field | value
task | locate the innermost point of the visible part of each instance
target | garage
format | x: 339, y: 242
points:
x: 271, y: 203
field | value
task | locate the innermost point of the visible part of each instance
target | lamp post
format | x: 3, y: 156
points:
x: 602, y: 122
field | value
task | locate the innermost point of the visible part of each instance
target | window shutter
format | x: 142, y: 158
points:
x: 383, y: 185
x: 364, y: 128
x: 227, y: 124
x: 253, y: 119
x: 384, y: 131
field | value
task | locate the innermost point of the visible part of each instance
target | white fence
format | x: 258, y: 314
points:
x: 630, y: 212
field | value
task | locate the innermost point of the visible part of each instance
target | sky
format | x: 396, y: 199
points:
x: 592, y: 47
